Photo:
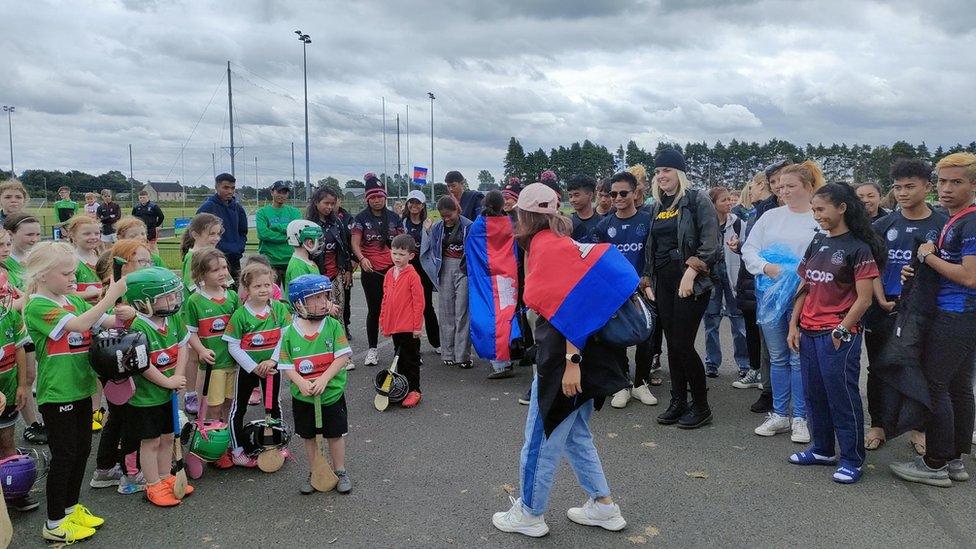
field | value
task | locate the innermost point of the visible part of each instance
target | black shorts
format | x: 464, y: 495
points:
x: 146, y: 422
x: 9, y: 415
x: 334, y: 418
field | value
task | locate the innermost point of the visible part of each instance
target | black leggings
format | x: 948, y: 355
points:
x: 680, y: 319
x: 948, y: 365
x: 243, y: 386
x: 752, y: 337
x: 69, y: 437
x: 430, y: 315
x: 874, y: 342
x: 644, y: 356
x: 115, y: 443
x: 373, y: 288
x: 347, y: 309
x: 408, y: 347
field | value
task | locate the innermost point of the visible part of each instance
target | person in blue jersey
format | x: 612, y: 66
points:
x: 949, y: 345
x: 581, y: 189
x: 903, y: 231
x: 627, y: 229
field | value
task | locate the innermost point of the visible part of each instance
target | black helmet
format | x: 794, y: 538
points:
x: 254, y: 439
x: 118, y: 354
x: 398, y: 387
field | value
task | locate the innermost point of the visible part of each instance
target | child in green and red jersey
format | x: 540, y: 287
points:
x: 313, y: 352
x: 13, y: 378
x: 207, y: 313
x: 251, y: 336
x: 305, y: 238
x: 60, y: 325
x: 157, y: 294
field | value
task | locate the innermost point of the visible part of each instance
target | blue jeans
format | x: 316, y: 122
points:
x: 541, y: 456
x: 831, y: 377
x: 784, y: 369
x: 722, y: 292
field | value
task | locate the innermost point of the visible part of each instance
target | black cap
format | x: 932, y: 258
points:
x: 771, y: 169
x: 281, y: 186
x: 453, y: 176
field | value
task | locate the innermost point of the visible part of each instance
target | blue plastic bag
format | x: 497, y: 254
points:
x: 775, y: 295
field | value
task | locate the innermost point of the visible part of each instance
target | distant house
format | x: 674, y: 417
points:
x: 164, y: 191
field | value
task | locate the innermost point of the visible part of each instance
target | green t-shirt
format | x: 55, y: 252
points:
x: 296, y: 268
x: 189, y: 286
x: 272, y: 239
x: 164, y: 349
x: 12, y: 337
x: 208, y: 317
x: 158, y: 261
x: 15, y: 272
x: 86, y: 277
x: 65, y: 210
x: 312, y: 357
x: 63, y: 371
x: 258, y: 335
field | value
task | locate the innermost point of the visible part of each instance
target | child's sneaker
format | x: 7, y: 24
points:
x: 344, y: 486
x: 350, y: 366
x: 519, y: 521
x: 35, y: 433
x: 171, y: 482
x: 243, y: 460
x: 593, y: 513
x: 957, y: 470
x: 306, y: 487
x: 105, y: 478
x: 225, y: 461
x: 372, y: 357
x: 412, y: 399
x: 23, y: 504
x: 255, y: 398
x: 131, y: 484
x: 83, y: 517
x: 67, y: 532
x: 191, y: 403
x: 98, y: 419
x: 161, y: 495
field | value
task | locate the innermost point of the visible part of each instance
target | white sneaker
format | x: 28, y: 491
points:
x: 620, y: 398
x: 606, y: 516
x: 801, y: 433
x: 372, y: 357
x: 518, y: 521
x: 350, y: 366
x: 773, y: 425
x: 437, y: 350
x: 643, y: 394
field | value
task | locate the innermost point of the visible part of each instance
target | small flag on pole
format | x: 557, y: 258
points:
x: 419, y: 175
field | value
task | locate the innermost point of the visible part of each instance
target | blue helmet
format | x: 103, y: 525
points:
x: 305, y: 287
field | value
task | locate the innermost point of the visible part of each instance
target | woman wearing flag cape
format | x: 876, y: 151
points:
x: 574, y: 288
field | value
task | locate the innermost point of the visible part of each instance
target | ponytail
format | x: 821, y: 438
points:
x: 809, y: 173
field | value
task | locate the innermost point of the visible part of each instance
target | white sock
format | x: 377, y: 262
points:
x: 69, y: 510
x: 53, y: 524
x: 818, y: 456
x: 238, y: 451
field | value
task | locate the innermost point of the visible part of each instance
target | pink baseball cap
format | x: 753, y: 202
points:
x: 538, y: 198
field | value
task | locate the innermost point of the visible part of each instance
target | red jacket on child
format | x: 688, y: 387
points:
x: 403, y: 302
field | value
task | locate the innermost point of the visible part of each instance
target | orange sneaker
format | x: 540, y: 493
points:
x: 161, y: 495
x: 413, y: 398
x: 171, y: 481
x: 225, y: 461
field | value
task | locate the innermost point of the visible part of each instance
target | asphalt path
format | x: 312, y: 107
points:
x: 432, y: 477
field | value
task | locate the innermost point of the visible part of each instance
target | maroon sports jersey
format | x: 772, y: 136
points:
x: 830, y: 268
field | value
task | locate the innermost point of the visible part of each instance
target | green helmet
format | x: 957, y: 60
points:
x: 214, y: 444
x: 145, y: 286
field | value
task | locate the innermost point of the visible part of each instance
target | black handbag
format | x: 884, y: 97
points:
x: 633, y: 323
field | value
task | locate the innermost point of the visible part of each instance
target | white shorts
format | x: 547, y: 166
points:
x: 111, y: 238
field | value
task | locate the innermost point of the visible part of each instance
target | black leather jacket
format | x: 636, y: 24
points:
x: 697, y: 238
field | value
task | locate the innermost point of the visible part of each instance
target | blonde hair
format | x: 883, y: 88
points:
x: 200, y: 264
x: 91, y: 195
x: 744, y: 196
x: 43, y: 257
x: 683, y: 185
x: 127, y: 223
x: 640, y: 172
x: 14, y: 185
x: 251, y: 271
x: 73, y: 225
x: 809, y: 173
x: 960, y: 160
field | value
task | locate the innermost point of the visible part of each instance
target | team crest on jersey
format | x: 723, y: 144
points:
x: 76, y: 339
x: 641, y: 230
x: 931, y: 236
x: 163, y: 359
x: 219, y: 325
x: 612, y: 232
x: 892, y: 234
x: 9, y: 333
x: 837, y: 258
x: 257, y: 340
x: 305, y: 367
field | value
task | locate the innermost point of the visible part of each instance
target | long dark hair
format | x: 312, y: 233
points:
x: 856, y: 218
x: 494, y: 204
x: 406, y: 212
x: 312, y: 212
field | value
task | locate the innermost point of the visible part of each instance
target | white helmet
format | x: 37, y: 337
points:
x: 300, y: 230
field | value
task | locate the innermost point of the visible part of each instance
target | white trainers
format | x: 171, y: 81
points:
x: 592, y: 513
x: 773, y: 425
x: 372, y: 357
x: 643, y: 394
x: 518, y: 521
x: 801, y: 433
x: 437, y: 350
x: 620, y: 398
x: 350, y: 366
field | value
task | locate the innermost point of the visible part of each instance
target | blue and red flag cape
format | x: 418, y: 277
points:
x: 576, y: 287
x: 492, y: 286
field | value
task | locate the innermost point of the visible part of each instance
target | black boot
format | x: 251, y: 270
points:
x: 764, y: 405
x: 675, y: 410
x: 698, y: 414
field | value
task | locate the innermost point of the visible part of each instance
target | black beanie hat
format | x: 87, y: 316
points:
x: 374, y: 187
x: 453, y: 176
x: 670, y: 158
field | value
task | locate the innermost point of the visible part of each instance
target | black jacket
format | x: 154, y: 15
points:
x: 108, y: 214
x: 152, y: 215
x: 745, y: 286
x: 697, y: 238
x: 471, y: 204
x: 339, y: 229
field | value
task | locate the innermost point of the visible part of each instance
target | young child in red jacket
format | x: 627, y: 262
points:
x: 402, y: 313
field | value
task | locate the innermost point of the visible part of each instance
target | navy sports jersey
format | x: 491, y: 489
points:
x: 414, y: 230
x: 903, y: 237
x: 628, y: 235
x: 830, y: 267
x: 959, y: 240
x: 375, y: 237
x: 583, y: 228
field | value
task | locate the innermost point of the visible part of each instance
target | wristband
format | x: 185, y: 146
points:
x: 842, y: 333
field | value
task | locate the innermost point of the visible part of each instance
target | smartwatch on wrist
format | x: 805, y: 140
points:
x: 575, y: 358
x: 842, y: 333
x: 922, y: 256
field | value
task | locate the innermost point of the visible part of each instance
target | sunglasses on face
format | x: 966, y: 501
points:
x: 622, y: 194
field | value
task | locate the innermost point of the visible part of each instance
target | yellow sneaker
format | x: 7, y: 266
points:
x: 83, y: 517
x: 98, y: 419
x: 67, y: 532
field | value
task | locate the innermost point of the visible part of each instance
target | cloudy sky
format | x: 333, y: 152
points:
x: 90, y: 78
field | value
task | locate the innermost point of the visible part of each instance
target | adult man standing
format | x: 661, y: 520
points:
x: 581, y: 189
x: 470, y: 201
x: 108, y: 213
x: 272, y: 221
x: 151, y: 214
x: 224, y: 205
